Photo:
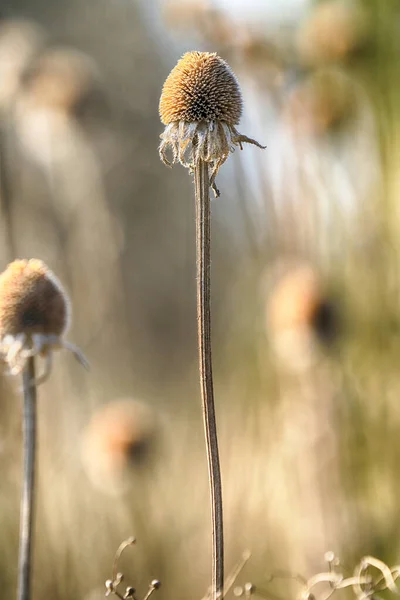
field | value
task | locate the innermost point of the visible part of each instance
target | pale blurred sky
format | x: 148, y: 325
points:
x: 264, y: 14
x: 271, y: 12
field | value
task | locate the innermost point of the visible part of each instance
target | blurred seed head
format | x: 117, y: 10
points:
x: 20, y: 41
x: 213, y: 25
x: 60, y: 79
x: 58, y: 85
x: 325, y: 102
x: 219, y: 31
x: 333, y: 31
x: 184, y: 14
x: 262, y: 58
x: 34, y: 314
x: 301, y: 317
x: 120, y: 437
x: 200, y: 105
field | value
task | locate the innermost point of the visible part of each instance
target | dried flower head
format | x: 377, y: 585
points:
x: 34, y: 315
x: 200, y: 105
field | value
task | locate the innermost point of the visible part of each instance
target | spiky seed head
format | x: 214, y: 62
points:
x: 32, y: 300
x: 201, y: 87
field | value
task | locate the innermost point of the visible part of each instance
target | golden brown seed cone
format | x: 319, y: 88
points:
x: 201, y: 87
x: 31, y: 300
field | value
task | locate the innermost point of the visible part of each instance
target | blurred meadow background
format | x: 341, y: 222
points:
x: 306, y: 291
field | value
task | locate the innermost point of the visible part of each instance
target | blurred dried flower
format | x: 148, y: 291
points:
x: 119, y: 436
x: 262, y: 57
x: 323, y: 102
x: 212, y: 24
x: 34, y: 315
x: 60, y: 79
x: 300, y: 314
x: 219, y: 30
x: 334, y: 30
x: 19, y: 43
x: 54, y: 89
x: 184, y: 13
x: 200, y: 105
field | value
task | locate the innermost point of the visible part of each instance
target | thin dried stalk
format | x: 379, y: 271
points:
x: 203, y: 262
x: 6, y: 189
x: 28, y: 492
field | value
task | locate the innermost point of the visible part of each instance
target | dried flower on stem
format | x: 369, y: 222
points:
x: 200, y: 105
x: 34, y: 314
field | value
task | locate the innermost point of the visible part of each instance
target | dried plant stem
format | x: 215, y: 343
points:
x: 27, y: 498
x: 6, y: 189
x: 203, y: 262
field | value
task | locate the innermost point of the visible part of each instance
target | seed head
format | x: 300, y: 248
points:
x: 31, y: 300
x: 201, y: 87
x: 200, y: 105
x: 34, y: 314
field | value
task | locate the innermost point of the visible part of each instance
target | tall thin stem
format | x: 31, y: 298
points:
x: 6, y: 188
x: 27, y: 498
x: 203, y: 262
